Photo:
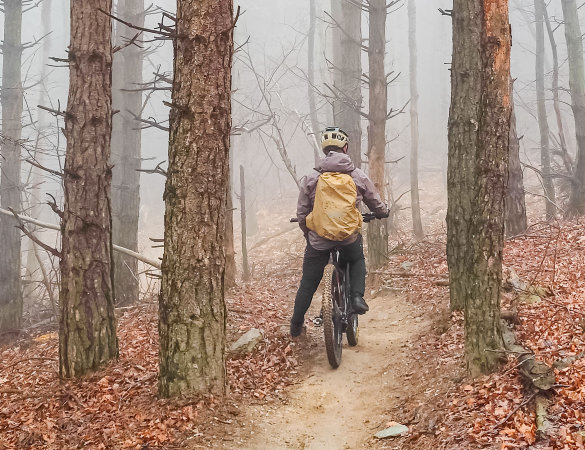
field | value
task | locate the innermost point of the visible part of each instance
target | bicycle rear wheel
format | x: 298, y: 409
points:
x: 353, y: 330
x: 332, y: 327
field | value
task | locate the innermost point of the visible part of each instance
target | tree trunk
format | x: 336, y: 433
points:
x: 126, y: 151
x: 33, y: 264
x: 192, y: 318
x: 567, y: 160
x: 230, y: 253
x: 347, y: 58
x: 377, y: 230
x: 515, y: 216
x: 87, y: 334
x: 479, y: 127
x: 245, y: 266
x: 547, y: 180
x: 311, y: 75
x: 577, y: 87
x: 414, y: 195
x: 10, y: 183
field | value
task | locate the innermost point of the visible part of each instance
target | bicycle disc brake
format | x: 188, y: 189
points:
x: 318, y: 321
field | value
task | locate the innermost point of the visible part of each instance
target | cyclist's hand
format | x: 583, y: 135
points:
x: 384, y: 215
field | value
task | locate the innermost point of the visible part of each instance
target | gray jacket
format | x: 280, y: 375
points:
x: 366, y: 191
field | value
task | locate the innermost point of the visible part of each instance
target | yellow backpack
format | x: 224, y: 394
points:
x: 335, y: 215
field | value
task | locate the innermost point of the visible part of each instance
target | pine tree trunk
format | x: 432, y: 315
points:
x: 126, y: 151
x: 12, y: 100
x: 414, y: 195
x: 347, y: 56
x: 479, y: 127
x: 547, y: 181
x: 87, y: 334
x: 515, y: 216
x: 192, y: 318
x: 577, y: 87
x: 377, y: 231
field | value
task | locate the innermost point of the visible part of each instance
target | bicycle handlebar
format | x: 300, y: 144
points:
x: 367, y: 217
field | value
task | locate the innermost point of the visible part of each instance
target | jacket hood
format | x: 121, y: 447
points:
x: 336, y: 162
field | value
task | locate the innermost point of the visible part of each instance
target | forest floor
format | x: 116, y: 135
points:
x: 408, y: 367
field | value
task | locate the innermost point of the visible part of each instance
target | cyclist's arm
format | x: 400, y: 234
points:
x: 370, y: 195
x: 304, y: 205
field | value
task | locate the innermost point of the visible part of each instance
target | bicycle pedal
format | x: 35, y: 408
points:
x: 318, y: 321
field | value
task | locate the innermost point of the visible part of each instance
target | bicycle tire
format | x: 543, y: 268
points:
x: 353, y: 330
x: 331, y: 326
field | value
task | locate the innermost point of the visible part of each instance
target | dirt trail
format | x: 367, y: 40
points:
x: 343, y: 408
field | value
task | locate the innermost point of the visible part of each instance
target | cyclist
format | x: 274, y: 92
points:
x: 334, y: 143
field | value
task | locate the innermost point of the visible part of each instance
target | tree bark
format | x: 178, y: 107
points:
x: 126, y: 151
x: 515, y: 216
x: 87, y: 333
x: 577, y: 87
x: 377, y: 230
x: 547, y: 180
x: 10, y: 183
x: 192, y: 317
x: 479, y: 127
x: 347, y: 58
x: 414, y: 195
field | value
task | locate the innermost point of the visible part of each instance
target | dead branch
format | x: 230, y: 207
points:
x: 132, y: 41
x: 32, y: 237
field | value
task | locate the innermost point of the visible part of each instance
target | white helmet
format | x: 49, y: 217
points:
x: 333, y: 137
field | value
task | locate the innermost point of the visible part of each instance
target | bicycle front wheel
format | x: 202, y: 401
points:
x: 332, y: 327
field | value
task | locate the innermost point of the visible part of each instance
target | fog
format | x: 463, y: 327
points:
x: 273, y: 36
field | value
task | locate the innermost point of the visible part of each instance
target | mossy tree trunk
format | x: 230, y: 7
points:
x: 87, y: 334
x: 377, y: 231
x: 192, y: 311
x: 479, y: 127
x: 126, y: 151
x: 10, y: 183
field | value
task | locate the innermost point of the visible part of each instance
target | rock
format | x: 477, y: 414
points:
x: 392, y: 431
x: 246, y: 343
x: 407, y: 265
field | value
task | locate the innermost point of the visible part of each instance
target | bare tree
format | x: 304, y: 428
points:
x: 192, y: 318
x: 347, y: 72
x: 515, y: 217
x: 547, y: 180
x: 311, y: 73
x: 87, y: 334
x: 126, y: 148
x: 414, y: 197
x: 377, y: 117
x: 10, y: 183
x: 479, y: 122
x: 577, y: 87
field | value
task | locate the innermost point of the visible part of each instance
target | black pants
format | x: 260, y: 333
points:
x: 314, y: 263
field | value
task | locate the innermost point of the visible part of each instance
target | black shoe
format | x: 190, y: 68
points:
x: 296, y: 329
x: 359, y: 305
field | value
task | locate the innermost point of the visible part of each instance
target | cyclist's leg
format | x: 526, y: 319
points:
x: 354, y: 255
x: 314, y: 263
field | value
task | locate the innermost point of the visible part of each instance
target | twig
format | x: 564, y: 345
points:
x: 524, y: 403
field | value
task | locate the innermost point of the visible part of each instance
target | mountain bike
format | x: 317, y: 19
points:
x: 337, y: 315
